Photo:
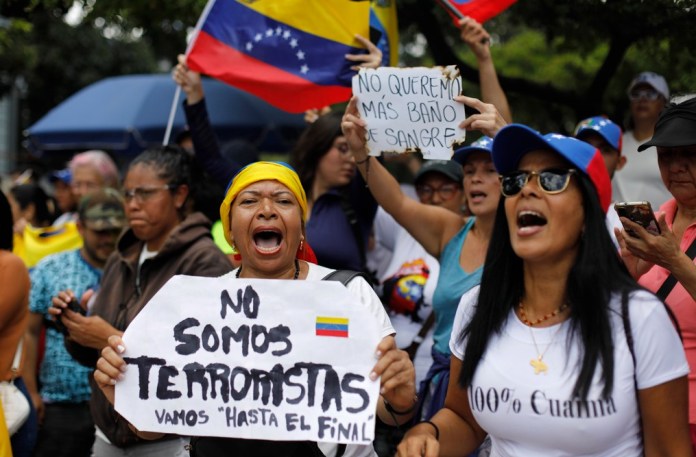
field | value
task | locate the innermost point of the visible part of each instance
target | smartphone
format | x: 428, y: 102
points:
x: 73, y: 305
x: 639, y: 212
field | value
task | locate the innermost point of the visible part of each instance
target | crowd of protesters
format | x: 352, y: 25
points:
x: 505, y: 271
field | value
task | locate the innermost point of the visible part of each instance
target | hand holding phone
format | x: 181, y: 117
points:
x: 639, y: 212
x: 73, y: 305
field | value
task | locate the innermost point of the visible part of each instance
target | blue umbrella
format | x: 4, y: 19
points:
x: 127, y: 114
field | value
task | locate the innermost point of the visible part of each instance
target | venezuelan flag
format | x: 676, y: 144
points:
x: 290, y: 53
x: 383, y: 20
x: 332, y: 326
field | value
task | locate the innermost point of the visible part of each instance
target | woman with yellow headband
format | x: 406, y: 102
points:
x: 264, y: 214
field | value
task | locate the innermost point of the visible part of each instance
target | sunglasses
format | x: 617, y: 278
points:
x: 645, y: 94
x: 551, y: 181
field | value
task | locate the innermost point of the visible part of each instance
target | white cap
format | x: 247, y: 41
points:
x: 654, y: 80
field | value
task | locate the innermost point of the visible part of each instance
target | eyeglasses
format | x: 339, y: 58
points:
x: 143, y: 194
x: 445, y: 191
x: 645, y: 94
x: 550, y: 181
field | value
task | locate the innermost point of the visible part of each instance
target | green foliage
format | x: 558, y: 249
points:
x: 558, y: 60
x: 14, y: 60
x: 55, y: 59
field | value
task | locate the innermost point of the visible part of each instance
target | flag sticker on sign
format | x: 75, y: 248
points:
x: 332, y: 326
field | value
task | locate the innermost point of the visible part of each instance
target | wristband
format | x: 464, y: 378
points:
x: 437, y: 429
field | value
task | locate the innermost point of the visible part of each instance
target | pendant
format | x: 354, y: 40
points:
x: 539, y: 365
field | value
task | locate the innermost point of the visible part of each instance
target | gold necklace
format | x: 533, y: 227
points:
x: 538, y: 364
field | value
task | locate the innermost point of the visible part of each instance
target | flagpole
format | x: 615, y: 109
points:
x: 172, y: 114
x: 449, y: 7
x: 177, y: 94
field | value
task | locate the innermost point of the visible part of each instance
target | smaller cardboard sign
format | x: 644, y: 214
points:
x: 411, y: 109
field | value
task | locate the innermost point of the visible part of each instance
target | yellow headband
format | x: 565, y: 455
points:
x: 255, y: 172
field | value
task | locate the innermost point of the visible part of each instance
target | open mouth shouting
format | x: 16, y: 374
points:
x: 267, y: 240
x: 529, y: 222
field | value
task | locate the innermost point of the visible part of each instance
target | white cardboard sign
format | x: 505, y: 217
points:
x: 411, y: 109
x: 243, y: 358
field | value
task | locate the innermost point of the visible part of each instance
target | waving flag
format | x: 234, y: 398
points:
x: 481, y: 10
x: 384, y: 30
x: 290, y: 53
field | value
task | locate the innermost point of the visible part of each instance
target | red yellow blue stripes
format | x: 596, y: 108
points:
x: 332, y: 326
x: 289, y: 52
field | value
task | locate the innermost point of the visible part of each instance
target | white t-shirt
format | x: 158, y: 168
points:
x: 528, y: 414
x: 365, y: 294
x: 367, y: 298
x: 409, y: 252
x: 640, y: 178
x: 384, y: 230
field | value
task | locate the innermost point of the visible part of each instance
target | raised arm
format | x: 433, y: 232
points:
x: 373, y: 58
x: 431, y: 226
x: 478, y: 40
x: 205, y: 142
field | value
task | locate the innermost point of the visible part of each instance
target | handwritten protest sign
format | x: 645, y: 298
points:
x: 411, y: 109
x: 263, y: 359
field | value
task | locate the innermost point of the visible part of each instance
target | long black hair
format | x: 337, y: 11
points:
x: 314, y: 143
x: 597, y: 274
x: 6, y: 224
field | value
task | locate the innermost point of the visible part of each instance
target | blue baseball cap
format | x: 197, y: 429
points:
x: 602, y: 126
x: 483, y: 144
x: 63, y: 175
x: 515, y: 140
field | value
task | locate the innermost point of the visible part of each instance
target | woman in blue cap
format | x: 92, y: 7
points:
x: 547, y: 359
x: 459, y: 243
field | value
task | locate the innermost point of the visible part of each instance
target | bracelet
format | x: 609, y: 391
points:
x: 437, y: 429
x: 400, y: 413
x: 360, y: 162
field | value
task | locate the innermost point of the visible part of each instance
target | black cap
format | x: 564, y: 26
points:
x: 675, y: 127
x: 449, y: 168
